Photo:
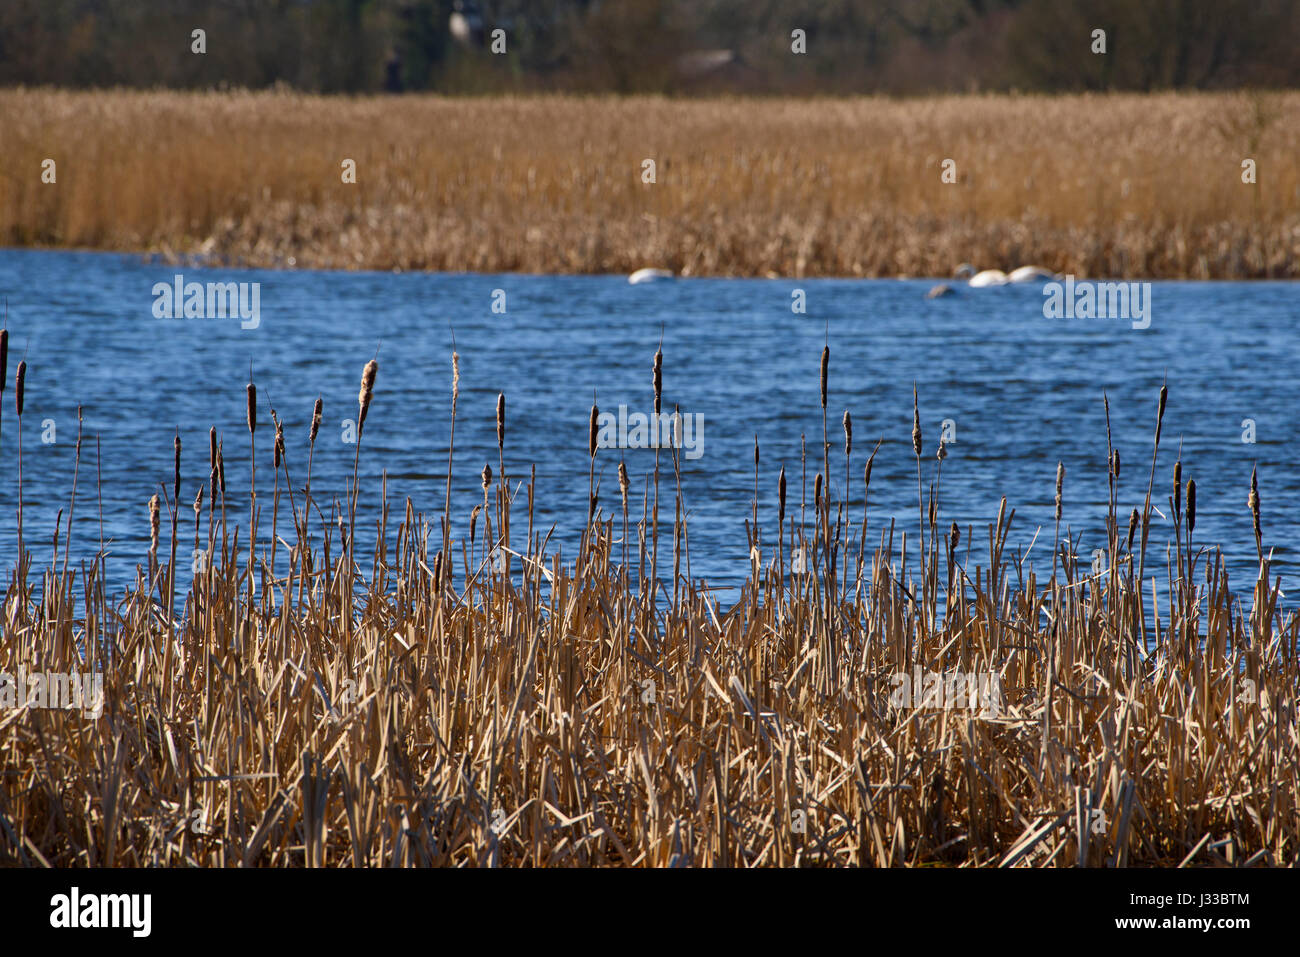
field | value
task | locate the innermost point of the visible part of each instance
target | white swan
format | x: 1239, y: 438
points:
x: 1031, y: 274
x: 986, y: 277
x: 996, y: 277
x: 648, y: 275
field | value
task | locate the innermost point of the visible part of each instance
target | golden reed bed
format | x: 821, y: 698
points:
x: 463, y: 694
x: 1121, y: 185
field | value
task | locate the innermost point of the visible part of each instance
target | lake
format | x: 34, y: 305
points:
x: 1020, y: 391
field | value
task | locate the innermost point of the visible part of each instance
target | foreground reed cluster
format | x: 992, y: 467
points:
x: 465, y: 694
x: 1145, y: 186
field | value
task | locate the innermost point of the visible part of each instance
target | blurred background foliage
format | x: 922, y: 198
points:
x: 646, y: 46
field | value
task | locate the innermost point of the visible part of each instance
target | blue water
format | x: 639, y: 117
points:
x: 1022, y: 392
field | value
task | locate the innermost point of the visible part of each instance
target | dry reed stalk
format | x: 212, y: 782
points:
x: 527, y: 185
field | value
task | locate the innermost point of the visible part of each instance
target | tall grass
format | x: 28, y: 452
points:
x: 486, y: 700
x: 1122, y: 185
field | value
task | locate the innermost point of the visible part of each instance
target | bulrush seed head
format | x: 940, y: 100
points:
x: 20, y: 378
x: 212, y: 463
x: 591, y: 430
x: 780, y: 494
x: 501, y: 420
x: 251, y: 411
x: 1253, y: 500
x: 826, y: 361
x: 1160, y: 413
x: 848, y: 434
x: 1191, y: 506
x: 659, y: 379
x: 154, y: 522
x: 1060, y: 484
x: 367, y: 390
x: 916, y: 425
x: 315, y: 419
x: 1132, y: 528
x: 4, y: 358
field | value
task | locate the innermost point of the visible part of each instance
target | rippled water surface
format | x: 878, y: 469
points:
x: 1021, y: 391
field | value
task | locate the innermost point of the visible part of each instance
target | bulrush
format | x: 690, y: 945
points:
x: 1253, y: 501
x: 20, y: 378
x: 316, y: 411
x: 1160, y: 412
x: 251, y: 411
x: 826, y: 361
x: 848, y: 435
x: 1178, y: 490
x: 212, y: 464
x: 1114, y: 463
x: 592, y: 430
x: 277, y: 458
x: 176, y: 469
x: 486, y: 477
x: 594, y: 685
x: 780, y: 496
x: 916, y: 425
x: 501, y: 421
x: 154, y: 522
x: 659, y: 379
x: 367, y: 391
x: 817, y: 492
x: 1060, y: 484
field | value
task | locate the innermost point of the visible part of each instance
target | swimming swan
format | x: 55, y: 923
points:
x: 648, y: 275
x: 996, y: 277
x: 1031, y: 274
x: 987, y: 277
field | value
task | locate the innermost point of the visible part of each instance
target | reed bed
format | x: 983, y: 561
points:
x: 1116, y: 185
x: 466, y: 695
